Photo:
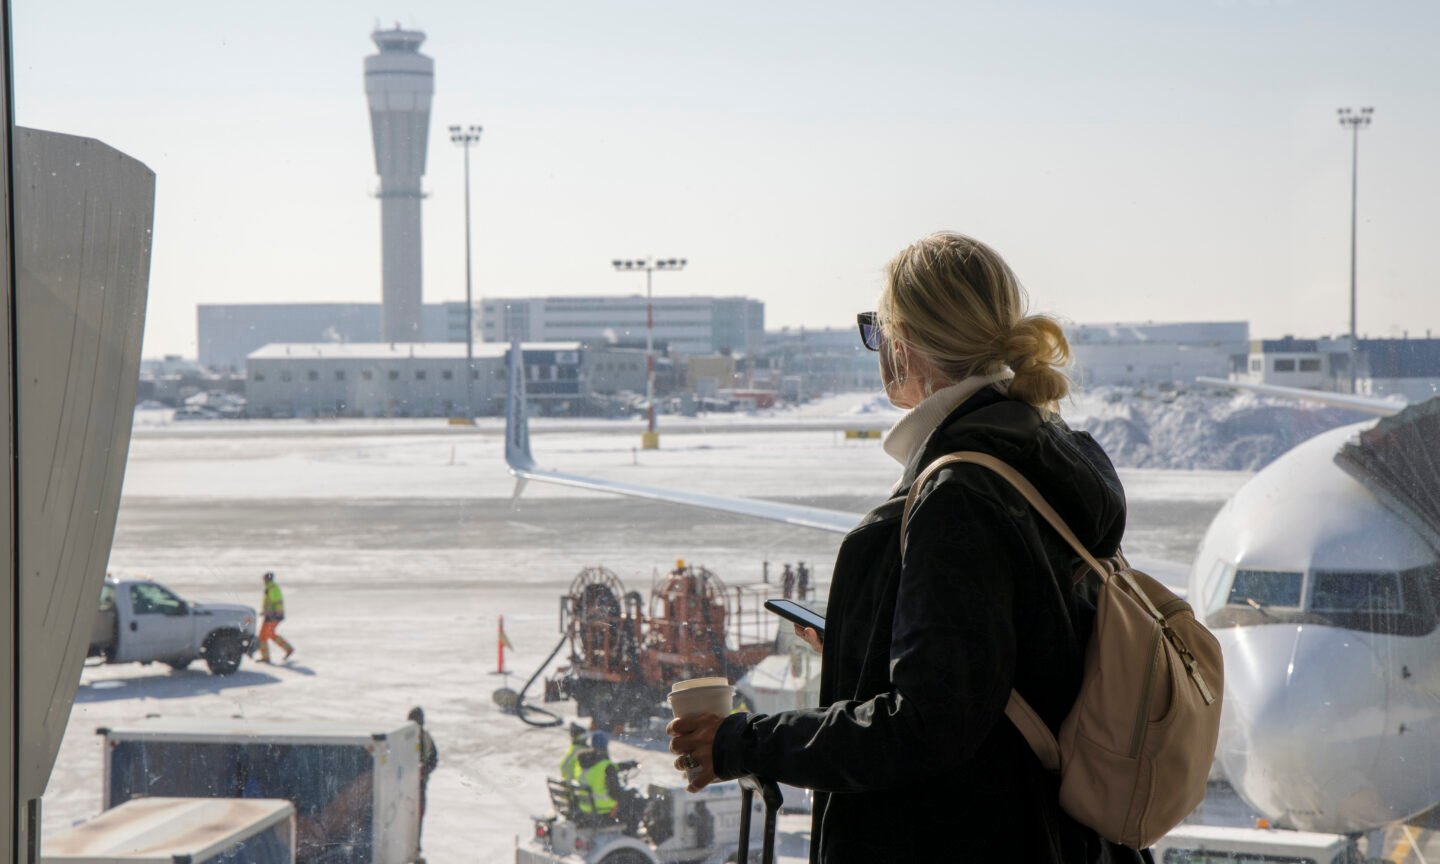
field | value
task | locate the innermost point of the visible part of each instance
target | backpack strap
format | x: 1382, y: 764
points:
x: 1014, y: 478
x: 1034, y: 731
x: 1030, y: 725
x: 1105, y: 570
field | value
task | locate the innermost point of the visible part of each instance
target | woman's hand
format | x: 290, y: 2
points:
x: 693, y: 738
x: 811, y: 636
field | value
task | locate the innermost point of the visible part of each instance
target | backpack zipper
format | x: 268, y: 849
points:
x: 1143, y: 714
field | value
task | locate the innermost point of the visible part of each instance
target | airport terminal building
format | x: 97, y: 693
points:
x: 1404, y: 367
x: 689, y: 325
x: 380, y: 379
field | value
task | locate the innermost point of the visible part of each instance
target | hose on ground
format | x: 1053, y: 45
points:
x: 521, y: 709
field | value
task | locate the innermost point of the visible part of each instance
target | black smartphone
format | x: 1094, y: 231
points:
x: 798, y: 613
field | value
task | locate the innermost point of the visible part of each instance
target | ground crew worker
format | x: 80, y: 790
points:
x: 429, y: 759
x: 802, y: 575
x: 787, y: 582
x: 570, y: 765
x: 272, y: 609
x: 610, y: 796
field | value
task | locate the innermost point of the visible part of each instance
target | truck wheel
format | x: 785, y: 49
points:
x: 625, y: 856
x: 178, y: 665
x: 223, y: 652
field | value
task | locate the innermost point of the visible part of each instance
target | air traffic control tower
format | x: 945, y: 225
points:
x: 398, y: 84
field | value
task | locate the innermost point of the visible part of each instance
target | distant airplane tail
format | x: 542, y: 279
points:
x: 517, y: 420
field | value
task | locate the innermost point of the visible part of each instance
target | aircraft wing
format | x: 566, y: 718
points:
x: 1368, y: 404
x: 522, y: 465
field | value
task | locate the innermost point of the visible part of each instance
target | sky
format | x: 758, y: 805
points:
x: 1134, y: 161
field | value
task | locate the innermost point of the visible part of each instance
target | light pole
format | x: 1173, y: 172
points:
x: 651, y: 439
x: 468, y: 137
x: 1355, y: 120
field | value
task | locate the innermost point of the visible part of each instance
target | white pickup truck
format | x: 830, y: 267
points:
x: 143, y: 622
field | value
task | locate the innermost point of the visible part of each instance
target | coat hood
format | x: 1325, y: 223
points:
x: 1069, y: 468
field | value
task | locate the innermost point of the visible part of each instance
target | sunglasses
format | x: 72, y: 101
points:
x: 869, y: 330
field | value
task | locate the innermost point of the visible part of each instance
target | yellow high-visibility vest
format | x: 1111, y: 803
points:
x: 274, y: 601
x: 594, y: 778
x: 570, y: 765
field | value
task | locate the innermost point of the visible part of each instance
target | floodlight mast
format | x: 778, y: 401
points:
x: 468, y: 137
x: 1354, y: 120
x: 651, y: 439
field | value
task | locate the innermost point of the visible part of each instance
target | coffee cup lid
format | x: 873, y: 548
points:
x: 697, y: 683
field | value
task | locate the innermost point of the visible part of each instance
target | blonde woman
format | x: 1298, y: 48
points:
x: 910, y: 755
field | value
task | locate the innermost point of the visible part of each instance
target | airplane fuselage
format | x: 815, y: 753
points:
x: 1327, y: 608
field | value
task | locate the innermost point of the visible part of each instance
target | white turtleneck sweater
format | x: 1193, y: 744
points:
x: 907, y: 436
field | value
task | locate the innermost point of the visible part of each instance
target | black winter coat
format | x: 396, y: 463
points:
x: 910, y: 754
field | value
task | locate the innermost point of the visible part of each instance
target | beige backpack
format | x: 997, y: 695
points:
x: 1135, y: 750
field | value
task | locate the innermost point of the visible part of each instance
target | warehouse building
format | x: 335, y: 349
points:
x: 407, y: 379
x: 227, y: 333
x: 1155, y: 354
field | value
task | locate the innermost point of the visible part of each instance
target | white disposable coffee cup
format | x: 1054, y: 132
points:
x: 702, y: 696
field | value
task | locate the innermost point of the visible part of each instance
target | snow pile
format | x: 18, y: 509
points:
x: 1199, y: 430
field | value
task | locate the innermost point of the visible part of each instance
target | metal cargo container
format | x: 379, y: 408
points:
x: 188, y: 830
x: 355, y: 787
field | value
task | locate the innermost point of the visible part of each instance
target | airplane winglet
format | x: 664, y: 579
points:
x: 1367, y: 404
x: 517, y: 420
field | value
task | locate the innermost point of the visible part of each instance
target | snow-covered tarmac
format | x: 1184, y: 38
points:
x: 398, y: 547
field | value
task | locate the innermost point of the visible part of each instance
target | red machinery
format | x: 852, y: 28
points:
x: 623, y: 657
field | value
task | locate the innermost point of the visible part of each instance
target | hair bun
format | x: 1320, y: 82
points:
x: 1034, y: 350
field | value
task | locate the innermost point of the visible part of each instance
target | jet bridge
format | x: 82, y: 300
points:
x: 75, y: 231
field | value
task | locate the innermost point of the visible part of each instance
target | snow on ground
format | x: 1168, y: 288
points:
x: 398, y: 547
x: 1188, y: 430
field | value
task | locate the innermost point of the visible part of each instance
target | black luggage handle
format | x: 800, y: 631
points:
x: 770, y: 794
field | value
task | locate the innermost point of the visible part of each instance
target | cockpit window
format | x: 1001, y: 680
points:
x: 1355, y: 591
x: 1266, y: 587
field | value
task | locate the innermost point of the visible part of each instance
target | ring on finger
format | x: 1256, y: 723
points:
x: 687, y: 761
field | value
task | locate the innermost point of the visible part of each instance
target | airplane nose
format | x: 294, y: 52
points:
x: 1302, y: 722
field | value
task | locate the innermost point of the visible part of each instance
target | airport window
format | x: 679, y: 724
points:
x: 1266, y: 588
x: 392, y: 533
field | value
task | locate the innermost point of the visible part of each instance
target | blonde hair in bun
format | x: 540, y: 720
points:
x: 955, y: 302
